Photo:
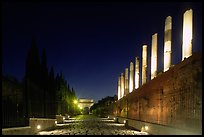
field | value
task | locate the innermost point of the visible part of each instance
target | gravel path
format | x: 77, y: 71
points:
x: 91, y: 125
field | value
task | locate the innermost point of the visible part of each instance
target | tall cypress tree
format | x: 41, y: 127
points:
x: 52, y: 92
x: 44, y: 83
x: 33, y: 63
x: 32, y: 78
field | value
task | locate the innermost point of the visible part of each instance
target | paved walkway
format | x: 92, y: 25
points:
x: 91, y: 125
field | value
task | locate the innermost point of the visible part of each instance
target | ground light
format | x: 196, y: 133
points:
x: 144, y: 129
x: 38, y: 126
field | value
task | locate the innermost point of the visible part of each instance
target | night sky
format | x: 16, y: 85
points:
x: 91, y: 43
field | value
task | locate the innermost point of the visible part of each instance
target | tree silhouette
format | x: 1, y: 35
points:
x: 44, y: 83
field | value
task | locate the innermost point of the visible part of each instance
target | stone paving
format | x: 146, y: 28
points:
x: 91, y: 125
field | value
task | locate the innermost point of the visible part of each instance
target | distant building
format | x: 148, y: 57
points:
x: 85, y: 105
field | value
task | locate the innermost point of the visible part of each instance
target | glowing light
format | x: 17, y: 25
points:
x: 131, y: 82
x: 63, y: 118
x: 187, y: 34
x: 146, y: 128
x: 55, y: 122
x: 114, y: 118
x: 124, y: 121
x: 68, y: 116
x: 38, y: 126
x: 75, y: 101
x: 108, y: 116
x: 167, y: 43
x: 144, y: 64
x: 154, y: 56
x: 137, y: 79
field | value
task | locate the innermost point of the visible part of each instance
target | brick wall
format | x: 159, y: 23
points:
x: 173, y: 98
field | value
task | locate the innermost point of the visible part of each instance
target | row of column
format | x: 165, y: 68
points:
x: 126, y: 85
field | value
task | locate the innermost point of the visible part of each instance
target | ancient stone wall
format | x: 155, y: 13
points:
x: 173, y: 98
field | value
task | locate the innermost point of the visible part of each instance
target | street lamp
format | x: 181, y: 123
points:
x: 75, y: 101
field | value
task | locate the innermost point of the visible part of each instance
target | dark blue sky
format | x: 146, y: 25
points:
x: 91, y: 43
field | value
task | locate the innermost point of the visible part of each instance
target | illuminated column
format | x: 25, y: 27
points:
x: 122, y: 88
x: 187, y: 34
x: 126, y: 82
x: 154, y: 56
x: 167, y: 43
x: 119, y: 93
x: 144, y: 64
x: 131, y: 81
x: 137, y: 78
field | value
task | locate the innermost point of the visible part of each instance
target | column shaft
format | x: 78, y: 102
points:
x: 187, y: 34
x: 131, y: 81
x: 144, y: 64
x: 137, y: 70
x: 167, y: 43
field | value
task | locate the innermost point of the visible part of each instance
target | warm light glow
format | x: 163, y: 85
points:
x: 114, y: 118
x: 38, y: 126
x: 146, y: 128
x: 124, y: 121
x: 55, y: 122
x: 68, y: 116
x: 187, y: 34
x: 126, y: 82
x: 137, y: 78
x: 131, y: 82
x: 144, y: 64
x: 167, y: 43
x: 75, y: 101
x: 108, y: 116
x: 119, y: 88
x: 122, y: 85
x: 63, y: 118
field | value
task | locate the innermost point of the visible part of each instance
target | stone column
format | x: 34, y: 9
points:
x: 137, y: 70
x: 131, y: 81
x: 167, y: 43
x: 122, y: 85
x: 144, y: 64
x: 154, y: 56
x: 187, y: 34
x: 119, y: 92
x: 126, y: 82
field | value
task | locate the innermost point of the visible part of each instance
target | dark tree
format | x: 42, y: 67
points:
x: 33, y: 90
x: 44, y: 84
x: 33, y: 64
x: 52, y: 91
